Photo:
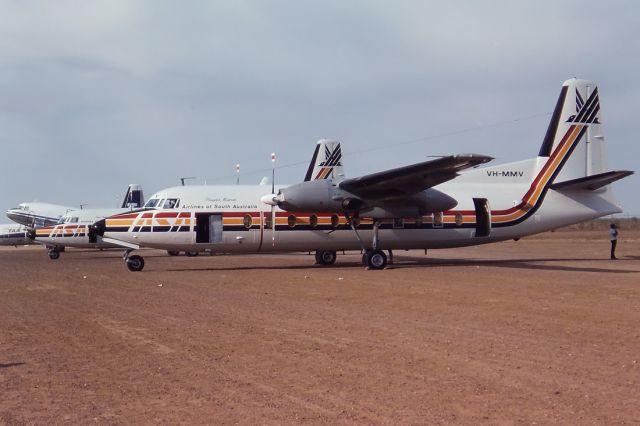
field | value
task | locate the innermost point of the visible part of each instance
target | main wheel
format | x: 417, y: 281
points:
x: 54, y: 254
x: 191, y: 253
x: 135, y: 263
x: 173, y: 252
x: 376, y: 259
x: 326, y: 257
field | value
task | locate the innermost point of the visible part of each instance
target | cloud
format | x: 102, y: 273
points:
x: 97, y: 95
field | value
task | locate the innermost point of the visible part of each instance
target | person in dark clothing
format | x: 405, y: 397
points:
x: 613, y: 234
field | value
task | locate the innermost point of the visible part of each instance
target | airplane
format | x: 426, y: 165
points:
x: 35, y: 214
x: 72, y: 229
x: 14, y: 234
x: 442, y: 203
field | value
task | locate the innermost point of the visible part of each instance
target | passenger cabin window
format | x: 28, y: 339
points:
x: 437, y: 220
x: 73, y: 220
x: 313, y: 220
x: 171, y: 203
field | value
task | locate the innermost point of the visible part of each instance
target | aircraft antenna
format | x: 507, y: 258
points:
x: 237, y: 174
x: 273, y: 193
x: 182, y: 179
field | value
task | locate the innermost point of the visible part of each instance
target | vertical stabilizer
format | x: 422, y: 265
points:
x: 134, y: 198
x: 575, y: 132
x: 326, y: 162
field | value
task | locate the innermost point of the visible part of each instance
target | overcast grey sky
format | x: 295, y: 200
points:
x: 95, y: 95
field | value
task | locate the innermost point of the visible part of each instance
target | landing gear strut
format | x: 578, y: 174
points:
x: 373, y: 258
x: 134, y: 263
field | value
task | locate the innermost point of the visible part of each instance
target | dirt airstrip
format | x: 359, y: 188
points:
x: 545, y: 330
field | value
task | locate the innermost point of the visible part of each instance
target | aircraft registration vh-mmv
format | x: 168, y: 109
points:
x: 441, y: 203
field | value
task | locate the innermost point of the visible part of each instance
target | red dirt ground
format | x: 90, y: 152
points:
x: 541, y: 331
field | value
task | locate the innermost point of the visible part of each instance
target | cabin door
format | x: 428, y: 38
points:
x: 209, y: 228
x: 483, y: 217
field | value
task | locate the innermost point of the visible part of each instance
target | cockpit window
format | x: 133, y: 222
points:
x: 73, y: 220
x: 152, y: 203
x: 171, y: 203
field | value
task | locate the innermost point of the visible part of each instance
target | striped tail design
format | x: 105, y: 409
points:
x: 326, y: 162
x: 577, y: 117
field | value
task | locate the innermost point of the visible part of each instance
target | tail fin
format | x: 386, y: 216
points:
x: 134, y: 198
x: 326, y: 162
x: 575, y: 137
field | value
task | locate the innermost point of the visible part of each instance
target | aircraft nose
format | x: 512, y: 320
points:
x: 98, y: 228
x: 11, y: 214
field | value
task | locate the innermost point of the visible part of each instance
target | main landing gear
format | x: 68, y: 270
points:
x: 373, y: 258
x: 326, y: 257
x: 134, y: 263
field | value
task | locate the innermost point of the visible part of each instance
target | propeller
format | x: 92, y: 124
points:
x: 273, y: 192
x: 272, y: 199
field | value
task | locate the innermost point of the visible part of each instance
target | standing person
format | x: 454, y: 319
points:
x: 613, y: 234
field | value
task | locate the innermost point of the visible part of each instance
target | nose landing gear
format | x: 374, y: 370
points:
x: 54, y: 253
x: 134, y: 263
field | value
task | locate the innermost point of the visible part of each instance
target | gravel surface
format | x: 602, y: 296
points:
x: 540, y: 331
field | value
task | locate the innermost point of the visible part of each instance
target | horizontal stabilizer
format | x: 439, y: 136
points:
x: 592, y: 182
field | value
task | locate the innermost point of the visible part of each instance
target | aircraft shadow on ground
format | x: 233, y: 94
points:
x: 11, y: 364
x: 415, y: 262
x: 533, y: 264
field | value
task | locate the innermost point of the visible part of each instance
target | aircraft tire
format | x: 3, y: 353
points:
x: 191, y: 253
x: 54, y: 254
x: 135, y: 263
x: 326, y: 257
x: 173, y: 252
x: 375, y: 259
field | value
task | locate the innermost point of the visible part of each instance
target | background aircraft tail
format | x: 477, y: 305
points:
x: 134, y: 198
x: 326, y: 162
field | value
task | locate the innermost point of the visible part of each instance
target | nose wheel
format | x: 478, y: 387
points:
x: 53, y: 253
x: 134, y: 263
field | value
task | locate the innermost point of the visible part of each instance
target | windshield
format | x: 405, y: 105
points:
x: 171, y: 203
x: 152, y: 202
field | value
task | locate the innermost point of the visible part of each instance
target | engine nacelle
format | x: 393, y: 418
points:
x: 316, y: 196
x: 322, y: 196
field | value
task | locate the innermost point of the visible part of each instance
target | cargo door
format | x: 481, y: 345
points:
x: 483, y: 217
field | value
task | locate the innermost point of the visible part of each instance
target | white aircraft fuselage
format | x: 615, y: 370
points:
x: 14, y: 235
x: 434, y: 204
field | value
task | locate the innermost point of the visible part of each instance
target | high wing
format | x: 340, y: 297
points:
x: 412, y: 179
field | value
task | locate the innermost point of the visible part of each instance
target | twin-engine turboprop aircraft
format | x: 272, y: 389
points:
x: 72, y: 230
x: 434, y: 204
x: 14, y: 234
x: 36, y: 215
